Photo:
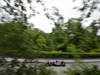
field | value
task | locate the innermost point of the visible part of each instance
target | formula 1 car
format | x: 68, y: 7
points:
x: 57, y: 64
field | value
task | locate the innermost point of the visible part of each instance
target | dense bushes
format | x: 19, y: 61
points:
x: 83, y: 69
x: 22, y: 68
x: 53, y: 55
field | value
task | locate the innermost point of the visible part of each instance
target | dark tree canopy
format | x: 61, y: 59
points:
x: 88, y: 8
x: 20, y: 10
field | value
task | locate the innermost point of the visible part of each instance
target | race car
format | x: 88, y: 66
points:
x: 57, y: 63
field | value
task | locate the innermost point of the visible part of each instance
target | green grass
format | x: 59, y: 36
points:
x: 59, y: 52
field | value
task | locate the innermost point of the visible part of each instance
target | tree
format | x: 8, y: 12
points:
x: 14, y: 39
x: 88, y: 8
x: 41, y: 41
x: 19, y: 10
x: 60, y: 38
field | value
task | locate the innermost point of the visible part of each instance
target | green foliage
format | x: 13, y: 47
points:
x: 83, y: 69
x: 64, y: 55
x: 72, y: 48
x: 16, y: 39
x: 12, y: 68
